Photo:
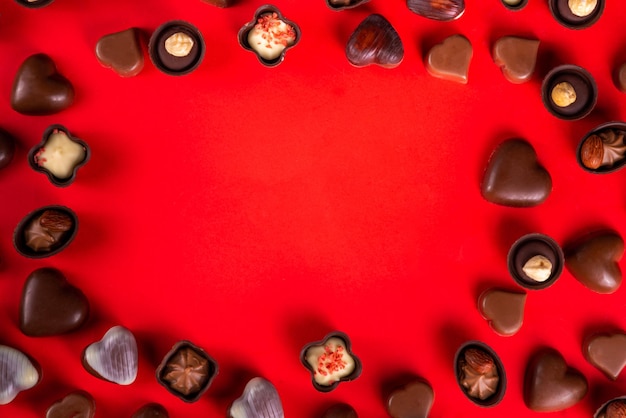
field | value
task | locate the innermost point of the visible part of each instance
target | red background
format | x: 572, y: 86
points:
x: 253, y: 210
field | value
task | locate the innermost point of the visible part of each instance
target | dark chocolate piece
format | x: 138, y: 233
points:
x: 569, y: 92
x: 607, y: 352
x: 34, y: 4
x: 514, y: 5
x: 615, y: 408
x: 344, y: 4
x: 220, y: 3
x: 503, y: 309
x: 50, y: 305
x: 176, y: 47
x: 38, y: 89
x: 413, y: 400
x: 375, y: 41
x: 514, y: 177
x: 450, y: 60
x: 121, y: 52
x: 7, y: 148
x: 516, y: 57
x: 45, y: 231
x: 594, y: 261
x: 442, y: 10
x: 259, y: 400
x: 114, y: 358
x: 75, y: 405
x: 187, y: 371
x: 18, y: 372
x: 603, y: 150
x: 340, y: 410
x: 620, y: 77
x: 546, y: 271
x: 151, y: 410
x: 480, y: 374
x: 550, y: 385
x: 576, y: 14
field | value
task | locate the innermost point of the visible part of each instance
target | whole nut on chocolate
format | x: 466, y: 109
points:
x: 582, y: 8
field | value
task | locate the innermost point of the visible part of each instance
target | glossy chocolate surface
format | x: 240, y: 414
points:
x: 563, y: 14
x: 584, y: 85
x: 488, y: 377
x: 31, y: 234
x: 529, y: 246
x: 7, y: 148
x: 375, y: 41
x: 607, y: 352
x: 503, y: 309
x: 344, y: 4
x: 615, y: 408
x: 121, y: 52
x: 609, y: 153
x: 442, y: 10
x: 75, y: 405
x: 413, y: 400
x: 151, y: 410
x: 516, y: 57
x: 18, y: 372
x: 259, y: 400
x: 450, y: 60
x: 115, y: 358
x: 168, y: 63
x: 620, y: 78
x: 220, y: 3
x: 341, y: 410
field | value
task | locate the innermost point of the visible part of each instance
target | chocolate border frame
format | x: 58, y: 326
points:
x: 18, y: 233
x: 494, y: 399
x: 556, y: 270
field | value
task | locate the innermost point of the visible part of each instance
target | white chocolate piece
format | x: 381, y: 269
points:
x: 115, y: 357
x: 60, y: 155
x: 17, y: 373
x: 179, y: 44
x: 270, y: 36
x: 330, y: 361
x: 538, y: 268
x: 563, y: 94
x: 582, y: 8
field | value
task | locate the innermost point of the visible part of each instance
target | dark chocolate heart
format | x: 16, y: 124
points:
x: 375, y: 41
x: 74, y: 405
x: 340, y: 410
x: 504, y: 310
x: 550, y: 385
x: 151, y: 410
x: 516, y: 57
x: 414, y: 400
x: 450, y: 60
x: 39, y: 89
x: 514, y: 177
x: 50, y: 305
x: 593, y: 262
x: 121, y: 51
x: 607, y: 352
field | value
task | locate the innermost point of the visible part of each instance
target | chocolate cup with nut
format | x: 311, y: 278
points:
x: 489, y: 358
x: 514, y: 5
x: 577, y: 79
x: 603, y: 150
x: 34, y: 4
x: 529, y: 246
x: 242, y: 36
x: 205, y: 374
x: 33, y: 153
x: 356, y: 372
x: 66, y: 233
x: 338, y: 5
x: 561, y: 11
x: 176, y: 58
x: 616, y: 407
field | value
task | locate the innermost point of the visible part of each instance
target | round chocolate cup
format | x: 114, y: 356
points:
x: 494, y: 399
x: 358, y: 368
x: 517, y: 7
x: 55, y: 180
x: 160, y: 371
x: 170, y: 64
x: 352, y: 5
x: 35, y: 4
x: 562, y: 13
x: 242, y: 36
x: 529, y: 246
x: 621, y: 126
x: 584, y: 85
x: 19, y: 241
x: 601, y: 412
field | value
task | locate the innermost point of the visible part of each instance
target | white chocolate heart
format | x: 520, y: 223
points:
x: 115, y: 356
x: 17, y: 373
x: 259, y: 400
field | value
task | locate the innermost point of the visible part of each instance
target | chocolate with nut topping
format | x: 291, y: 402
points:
x: 479, y: 375
x: 47, y: 230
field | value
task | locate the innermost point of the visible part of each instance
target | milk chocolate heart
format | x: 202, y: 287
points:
x: 259, y: 400
x: 550, y: 385
x: 340, y: 410
x: 75, y: 405
x: 514, y: 177
x: 121, y: 52
x: 414, y: 400
x: 375, y: 41
x: 516, y: 57
x: 151, y: 410
x: 594, y: 261
x: 114, y: 358
x: 50, y: 305
x: 607, y: 352
x: 504, y: 310
x: 39, y: 89
x: 17, y: 373
x: 450, y: 59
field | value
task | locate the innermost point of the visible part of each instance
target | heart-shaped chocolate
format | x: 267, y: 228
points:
x: 151, y: 410
x: 121, y: 52
x: 550, y: 385
x: 514, y: 177
x: 443, y: 10
x: 114, y: 358
x: 17, y: 373
x: 340, y: 410
x: 504, y: 310
x: 594, y: 261
x: 38, y: 89
x: 450, y: 59
x: 259, y: 400
x: 413, y: 400
x: 75, y: 405
x: 516, y: 57
x: 50, y: 305
x: 375, y: 41
x: 607, y: 352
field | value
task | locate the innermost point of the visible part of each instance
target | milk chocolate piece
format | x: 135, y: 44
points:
x: 220, y: 3
x: 514, y: 177
x: 442, y: 10
x: 607, y: 352
x: 121, y: 52
x: 550, y: 385
x: 45, y: 231
x: 593, y: 261
x: 615, y: 408
x: 344, y: 4
x: 75, y: 405
x: 51, y: 305
x: 412, y: 400
x: 171, y: 64
x: 7, y: 148
x: 528, y: 247
x: 503, y: 309
x: 341, y: 410
x: 259, y: 400
x: 584, y: 88
x: 34, y: 4
x: 187, y: 371
x: 17, y: 373
x: 375, y: 41
x: 151, y: 410
x: 516, y: 57
x: 564, y: 13
x: 603, y: 149
x: 450, y: 60
x: 38, y: 89
x: 114, y: 358
x: 480, y: 373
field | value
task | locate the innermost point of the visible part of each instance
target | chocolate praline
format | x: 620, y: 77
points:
x: 491, y: 378
x: 7, y: 148
x: 171, y: 64
x: 58, y: 242
x: 614, y: 408
x: 441, y: 10
x: 35, y: 4
x: 151, y: 410
x: 609, y: 156
x: 529, y: 246
x: 563, y: 14
x: 581, y: 82
x: 340, y: 410
x: 338, y: 5
x: 77, y: 404
x: 514, y: 5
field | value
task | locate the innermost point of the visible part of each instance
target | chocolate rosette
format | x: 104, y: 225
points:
x: 535, y: 261
x: 45, y: 231
x: 576, y: 14
x: 480, y: 374
x: 569, y: 92
x: 603, y: 149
